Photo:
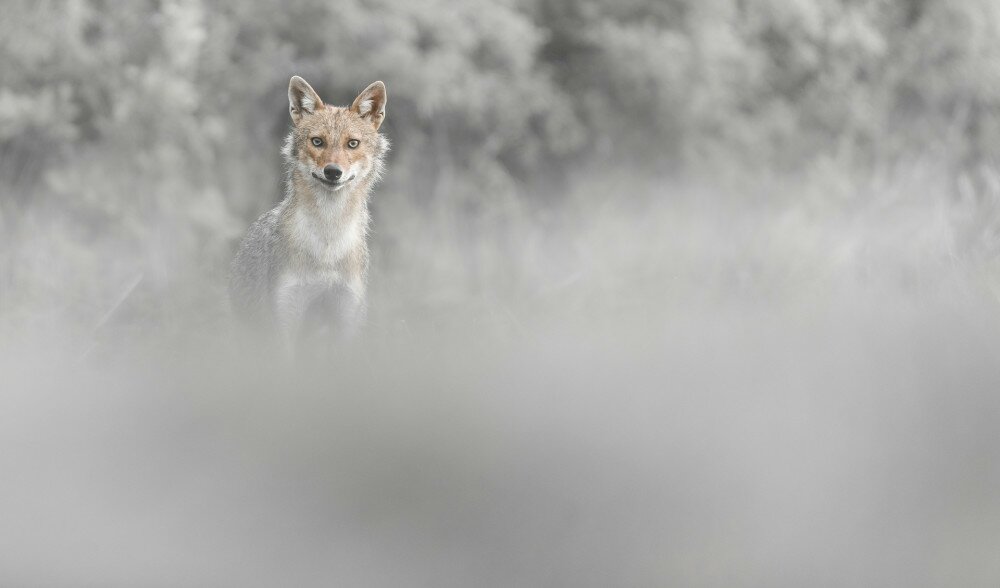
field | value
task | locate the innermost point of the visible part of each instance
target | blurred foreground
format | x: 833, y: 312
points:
x: 735, y: 447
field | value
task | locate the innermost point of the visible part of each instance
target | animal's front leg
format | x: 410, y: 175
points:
x: 351, y: 313
x: 292, y: 298
x: 334, y: 315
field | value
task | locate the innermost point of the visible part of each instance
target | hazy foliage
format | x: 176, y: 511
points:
x: 143, y: 137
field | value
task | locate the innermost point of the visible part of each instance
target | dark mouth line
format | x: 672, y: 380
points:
x: 329, y: 183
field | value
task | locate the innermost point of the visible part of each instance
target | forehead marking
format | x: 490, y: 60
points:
x: 337, y: 121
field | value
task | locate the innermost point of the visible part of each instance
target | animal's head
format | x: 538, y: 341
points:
x: 336, y: 146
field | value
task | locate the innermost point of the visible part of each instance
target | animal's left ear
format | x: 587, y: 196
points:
x: 370, y: 104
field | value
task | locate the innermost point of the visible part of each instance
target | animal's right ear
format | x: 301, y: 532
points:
x: 302, y: 99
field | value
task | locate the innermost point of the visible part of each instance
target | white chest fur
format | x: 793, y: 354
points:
x: 324, y: 236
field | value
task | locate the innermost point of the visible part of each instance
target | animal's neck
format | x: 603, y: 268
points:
x: 336, y: 209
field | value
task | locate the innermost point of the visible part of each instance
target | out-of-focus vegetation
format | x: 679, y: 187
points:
x: 560, y: 150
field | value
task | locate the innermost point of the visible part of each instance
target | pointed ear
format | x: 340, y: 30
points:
x: 302, y: 99
x: 370, y: 104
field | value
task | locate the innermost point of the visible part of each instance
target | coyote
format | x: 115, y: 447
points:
x: 301, y: 268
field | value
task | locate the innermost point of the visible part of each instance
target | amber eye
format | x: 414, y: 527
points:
x: 353, y: 143
x: 317, y: 141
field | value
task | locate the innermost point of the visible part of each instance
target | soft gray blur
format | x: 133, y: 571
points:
x: 664, y: 293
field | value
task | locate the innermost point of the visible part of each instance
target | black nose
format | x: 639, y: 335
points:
x: 332, y: 172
